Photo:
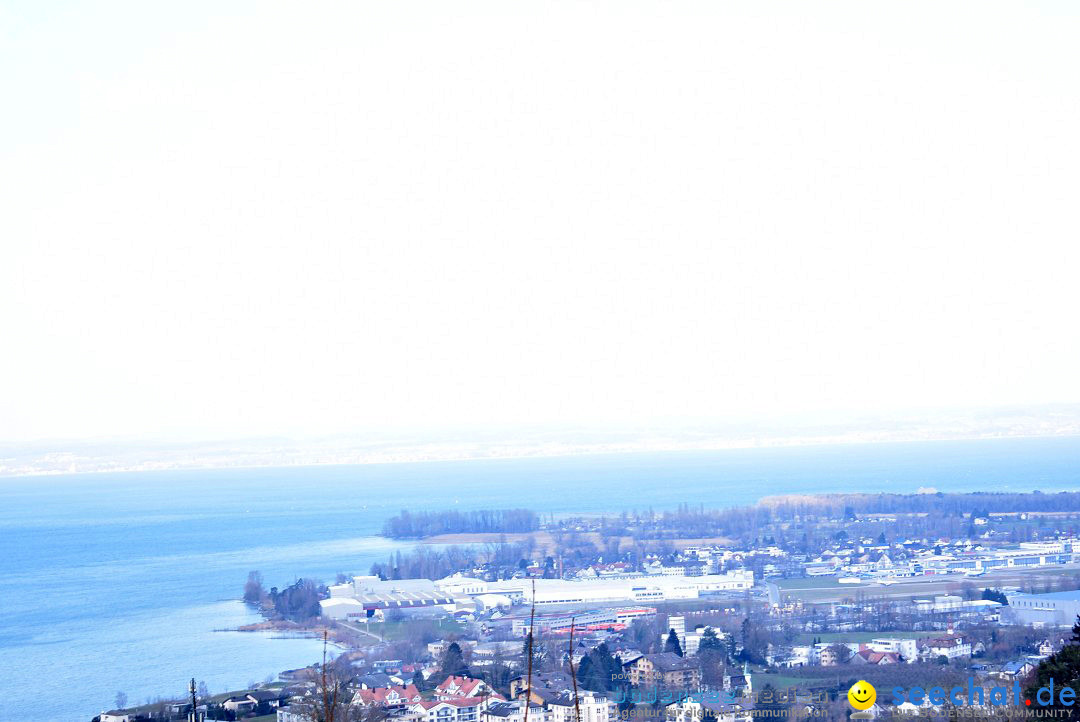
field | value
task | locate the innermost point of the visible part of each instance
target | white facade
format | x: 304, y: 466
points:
x: 693, y: 711
x: 950, y: 647
x: 689, y: 642
x: 342, y: 590
x: 640, y: 589
x: 908, y: 649
x: 447, y: 711
x: 284, y: 714
x: 459, y: 585
x: 594, y: 708
x: 341, y: 608
x: 515, y: 712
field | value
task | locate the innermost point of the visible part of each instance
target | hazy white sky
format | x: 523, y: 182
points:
x: 249, y: 218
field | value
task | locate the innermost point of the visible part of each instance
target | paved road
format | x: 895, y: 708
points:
x: 361, y: 630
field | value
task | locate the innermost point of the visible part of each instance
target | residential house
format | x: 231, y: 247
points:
x: 485, y: 654
x: 666, y: 669
x: 456, y: 687
x: 833, y: 654
x: 1017, y: 669
x: 292, y: 714
x: 545, y: 686
x: 374, y: 680
x: 867, y: 656
x: 460, y: 709
x: 240, y: 704
x: 950, y: 646
x: 1048, y: 647
x: 515, y: 712
x: 709, y: 711
x: 739, y: 685
x: 267, y: 700
x: 389, y: 697
x: 588, y: 707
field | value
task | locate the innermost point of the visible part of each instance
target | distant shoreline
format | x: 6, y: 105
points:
x: 89, y: 465
x: 545, y: 541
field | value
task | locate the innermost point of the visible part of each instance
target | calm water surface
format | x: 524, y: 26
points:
x: 115, y: 582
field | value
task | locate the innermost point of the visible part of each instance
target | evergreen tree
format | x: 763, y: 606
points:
x: 530, y: 646
x: 672, y: 643
x: 453, y: 663
x: 608, y: 669
x: 713, y: 654
x: 710, y: 641
x: 527, y: 646
x: 586, y: 675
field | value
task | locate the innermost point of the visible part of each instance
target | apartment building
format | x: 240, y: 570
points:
x: 666, y: 669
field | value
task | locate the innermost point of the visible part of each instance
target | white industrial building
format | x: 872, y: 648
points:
x: 367, y: 593
x: 364, y: 595
x: 460, y: 585
x: 1056, y: 609
x: 342, y: 608
x: 636, y: 589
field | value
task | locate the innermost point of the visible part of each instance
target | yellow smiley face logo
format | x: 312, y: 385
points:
x: 862, y: 695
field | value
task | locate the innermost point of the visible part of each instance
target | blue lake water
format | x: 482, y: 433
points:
x: 115, y: 582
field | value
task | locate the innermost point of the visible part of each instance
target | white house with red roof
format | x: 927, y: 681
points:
x: 869, y: 656
x: 387, y: 696
x: 454, y: 687
x: 459, y: 709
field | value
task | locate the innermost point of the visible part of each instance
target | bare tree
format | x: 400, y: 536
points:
x: 330, y: 701
x: 254, y: 592
x: 573, y: 674
x: 121, y: 700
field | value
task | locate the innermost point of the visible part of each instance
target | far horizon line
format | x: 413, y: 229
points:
x: 521, y: 453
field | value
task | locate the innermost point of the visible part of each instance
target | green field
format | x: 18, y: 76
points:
x: 783, y: 682
x: 407, y: 629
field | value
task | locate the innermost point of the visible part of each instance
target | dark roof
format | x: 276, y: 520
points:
x: 670, y: 662
x: 547, y: 694
x: 505, y: 709
x: 1015, y: 667
x: 373, y: 680
x: 549, y: 681
x: 264, y: 695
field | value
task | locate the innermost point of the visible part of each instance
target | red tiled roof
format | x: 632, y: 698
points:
x: 389, y: 695
x: 459, y: 687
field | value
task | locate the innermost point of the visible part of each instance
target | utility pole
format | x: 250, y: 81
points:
x: 194, y: 716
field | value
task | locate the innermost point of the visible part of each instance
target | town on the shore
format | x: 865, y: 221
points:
x: 775, y: 609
